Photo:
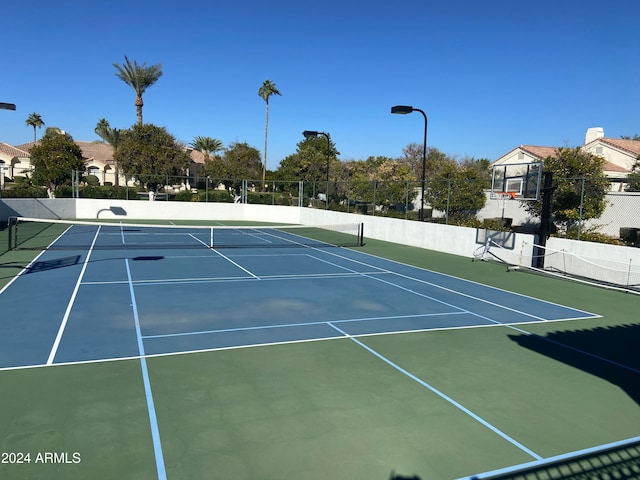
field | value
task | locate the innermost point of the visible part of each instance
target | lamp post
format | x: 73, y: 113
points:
x: 4, y: 106
x: 313, y: 134
x: 403, y: 110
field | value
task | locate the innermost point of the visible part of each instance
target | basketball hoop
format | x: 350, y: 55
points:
x: 503, y: 195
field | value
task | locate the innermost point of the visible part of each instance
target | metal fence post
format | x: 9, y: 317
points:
x: 581, y: 207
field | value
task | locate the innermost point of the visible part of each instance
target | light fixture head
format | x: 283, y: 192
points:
x: 7, y: 106
x: 402, y: 109
x: 310, y: 134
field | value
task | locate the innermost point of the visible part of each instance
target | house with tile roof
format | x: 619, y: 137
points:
x: 15, y: 161
x: 620, y: 155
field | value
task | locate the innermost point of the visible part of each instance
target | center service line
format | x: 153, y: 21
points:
x: 153, y: 420
x: 440, y: 394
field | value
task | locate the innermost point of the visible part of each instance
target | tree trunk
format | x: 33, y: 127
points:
x: 139, y: 104
x: 266, y: 132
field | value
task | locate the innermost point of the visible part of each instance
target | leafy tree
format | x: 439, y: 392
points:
x: 309, y: 163
x: 634, y: 177
x: 483, y: 168
x: 459, y: 188
x: 267, y: 89
x: 55, y: 157
x: 138, y: 77
x: 578, y: 178
x: 206, y: 145
x: 113, y: 137
x: 151, y: 154
x: 34, y: 120
x: 389, y: 177
x: 435, y: 159
x: 239, y: 161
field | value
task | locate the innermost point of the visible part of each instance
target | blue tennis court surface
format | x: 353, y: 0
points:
x: 98, y: 299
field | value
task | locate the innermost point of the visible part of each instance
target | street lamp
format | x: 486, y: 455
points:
x: 4, y: 106
x: 313, y: 134
x: 404, y: 109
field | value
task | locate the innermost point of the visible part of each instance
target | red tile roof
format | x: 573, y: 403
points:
x: 96, y: 150
x: 13, y: 151
x: 612, y: 167
x: 630, y: 146
x: 540, y: 152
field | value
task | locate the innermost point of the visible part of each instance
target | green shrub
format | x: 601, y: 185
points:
x: 64, y: 191
x: 92, y: 180
x: 591, y: 236
x: 186, y: 196
x: 221, y: 196
x: 24, y: 191
x: 260, y: 198
x: 108, y: 192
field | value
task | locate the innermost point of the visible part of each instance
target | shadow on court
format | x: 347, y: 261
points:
x: 607, y: 352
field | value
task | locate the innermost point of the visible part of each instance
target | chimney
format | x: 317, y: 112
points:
x: 593, y: 134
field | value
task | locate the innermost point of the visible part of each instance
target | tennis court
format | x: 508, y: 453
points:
x: 135, y: 352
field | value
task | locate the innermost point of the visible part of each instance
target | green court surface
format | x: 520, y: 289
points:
x: 422, y: 405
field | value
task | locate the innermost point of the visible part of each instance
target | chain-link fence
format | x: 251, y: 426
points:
x: 456, y: 202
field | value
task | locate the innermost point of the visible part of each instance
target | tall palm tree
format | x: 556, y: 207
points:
x: 138, y: 77
x: 206, y: 145
x: 34, y: 120
x: 267, y: 89
x: 113, y: 136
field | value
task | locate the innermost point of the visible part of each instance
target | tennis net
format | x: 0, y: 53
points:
x: 607, y: 272
x: 44, y: 234
x: 617, y: 460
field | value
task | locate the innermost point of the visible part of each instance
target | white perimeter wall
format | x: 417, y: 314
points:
x: 448, y: 239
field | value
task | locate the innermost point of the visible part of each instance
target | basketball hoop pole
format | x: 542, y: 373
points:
x: 504, y: 204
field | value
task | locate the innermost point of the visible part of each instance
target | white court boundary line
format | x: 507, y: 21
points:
x: 72, y: 300
x: 312, y: 340
x: 153, y: 419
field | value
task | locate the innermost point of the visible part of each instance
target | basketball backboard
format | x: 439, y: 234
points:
x: 520, y: 180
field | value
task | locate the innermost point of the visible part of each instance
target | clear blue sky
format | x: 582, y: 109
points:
x: 490, y: 75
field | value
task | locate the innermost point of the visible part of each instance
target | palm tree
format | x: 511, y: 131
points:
x: 113, y: 136
x: 206, y: 145
x: 267, y: 89
x: 138, y: 77
x: 34, y: 120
